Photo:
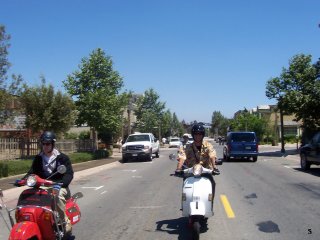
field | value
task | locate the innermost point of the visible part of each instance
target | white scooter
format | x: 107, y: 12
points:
x: 197, y: 196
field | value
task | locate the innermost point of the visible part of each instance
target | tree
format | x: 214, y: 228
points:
x: 4, y: 63
x: 46, y: 109
x: 96, y: 89
x: 149, y: 112
x: 297, y: 90
x: 219, y: 124
x: 8, y: 91
x: 166, y: 127
x: 246, y: 121
x: 177, y: 129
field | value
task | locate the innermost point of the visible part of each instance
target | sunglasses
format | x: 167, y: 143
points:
x: 46, y: 144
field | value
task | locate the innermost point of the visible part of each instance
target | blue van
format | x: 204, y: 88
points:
x: 241, y: 145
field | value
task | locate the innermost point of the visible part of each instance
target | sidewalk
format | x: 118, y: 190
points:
x: 291, y: 151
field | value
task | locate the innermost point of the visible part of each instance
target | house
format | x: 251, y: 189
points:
x: 272, y: 114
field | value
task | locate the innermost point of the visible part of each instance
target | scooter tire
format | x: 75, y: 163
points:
x: 196, y: 230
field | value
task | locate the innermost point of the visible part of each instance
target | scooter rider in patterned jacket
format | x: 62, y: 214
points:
x: 200, y: 151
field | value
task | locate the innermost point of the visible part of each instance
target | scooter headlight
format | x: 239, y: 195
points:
x: 31, y: 180
x: 197, y: 170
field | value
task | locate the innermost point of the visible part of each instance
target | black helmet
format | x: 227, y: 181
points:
x: 48, y: 136
x: 198, y: 128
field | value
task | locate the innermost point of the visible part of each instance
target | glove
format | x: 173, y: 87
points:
x: 16, y: 183
x: 215, y: 171
x: 56, y: 187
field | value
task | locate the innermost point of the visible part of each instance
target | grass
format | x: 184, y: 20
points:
x: 21, y: 166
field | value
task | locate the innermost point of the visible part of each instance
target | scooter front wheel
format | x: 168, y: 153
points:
x: 196, y: 230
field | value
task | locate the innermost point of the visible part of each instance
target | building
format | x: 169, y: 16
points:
x: 272, y: 114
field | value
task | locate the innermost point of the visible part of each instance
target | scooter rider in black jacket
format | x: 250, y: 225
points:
x: 46, y: 163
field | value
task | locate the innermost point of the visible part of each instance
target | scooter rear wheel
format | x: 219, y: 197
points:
x: 196, y: 230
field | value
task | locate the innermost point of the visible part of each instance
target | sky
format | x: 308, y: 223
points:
x: 200, y: 56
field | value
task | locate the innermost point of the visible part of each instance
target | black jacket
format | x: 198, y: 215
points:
x: 61, y: 159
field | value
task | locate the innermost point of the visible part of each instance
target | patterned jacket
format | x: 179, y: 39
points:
x: 191, y: 155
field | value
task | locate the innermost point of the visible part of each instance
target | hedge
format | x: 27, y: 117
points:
x: 21, y: 166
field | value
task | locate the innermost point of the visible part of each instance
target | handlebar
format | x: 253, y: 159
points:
x: 181, y: 173
x: 35, y: 181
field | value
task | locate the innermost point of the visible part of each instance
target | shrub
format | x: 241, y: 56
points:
x: 14, y: 167
x: 71, y: 136
x: 21, y: 166
x: 101, y: 154
x: 84, y: 135
x: 3, y: 169
x: 290, y: 138
x: 81, y: 157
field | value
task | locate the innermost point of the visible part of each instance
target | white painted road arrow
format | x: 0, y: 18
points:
x: 95, y: 188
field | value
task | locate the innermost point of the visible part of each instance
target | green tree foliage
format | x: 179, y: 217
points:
x: 95, y: 87
x: 4, y: 63
x: 186, y: 126
x: 297, y: 90
x: 219, y: 124
x: 177, y: 129
x: 8, y: 91
x: 246, y: 121
x: 166, y: 124
x: 46, y: 109
x: 149, y: 112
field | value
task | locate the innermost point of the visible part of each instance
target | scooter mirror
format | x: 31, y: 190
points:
x: 62, y: 169
x: 219, y: 161
x: 77, y: 195
x: 172, y: 156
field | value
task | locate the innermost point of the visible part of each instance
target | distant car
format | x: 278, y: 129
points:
x: 174, y: 142
x: 140, y: 145
x: 241, y: 145
x: 310, y: 153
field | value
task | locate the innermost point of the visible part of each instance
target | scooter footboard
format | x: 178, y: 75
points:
x: 25, y: 230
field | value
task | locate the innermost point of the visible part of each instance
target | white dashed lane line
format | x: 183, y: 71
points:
x: 293, y: 166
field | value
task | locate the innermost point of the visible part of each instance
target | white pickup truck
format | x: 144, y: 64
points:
x: 140, y: 146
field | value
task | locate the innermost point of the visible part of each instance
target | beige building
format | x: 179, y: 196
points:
x: 272, y: 115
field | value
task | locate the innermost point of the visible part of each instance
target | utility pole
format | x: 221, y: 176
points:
x: 281, y: 124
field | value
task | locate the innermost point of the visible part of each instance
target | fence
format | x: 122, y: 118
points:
x: 14, y: 148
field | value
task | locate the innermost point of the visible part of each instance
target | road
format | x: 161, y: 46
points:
x: 270, y: 199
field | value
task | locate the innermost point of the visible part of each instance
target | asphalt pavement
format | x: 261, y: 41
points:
x: 291, y: 153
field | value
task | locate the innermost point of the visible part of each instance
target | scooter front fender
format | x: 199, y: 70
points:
x: 25, y: 230
x: 197, y: 208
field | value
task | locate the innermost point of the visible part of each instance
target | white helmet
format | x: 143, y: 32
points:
x: 185, y: 135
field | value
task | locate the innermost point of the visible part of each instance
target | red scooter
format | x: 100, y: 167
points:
x: 36, y: 216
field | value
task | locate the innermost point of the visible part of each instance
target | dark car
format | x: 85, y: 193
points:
x: 310, y: 153
x: 241, y: 145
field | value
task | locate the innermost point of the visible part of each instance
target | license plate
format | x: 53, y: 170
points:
x: 134, y: 154
x: 248, y: 148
